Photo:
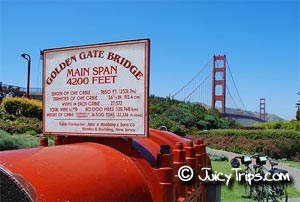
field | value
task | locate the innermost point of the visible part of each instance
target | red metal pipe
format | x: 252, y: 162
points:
x: 77, y: 172
x: 103, y: 169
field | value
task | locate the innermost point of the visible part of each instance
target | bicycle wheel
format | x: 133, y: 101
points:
x: 248, y: 189
x: 261, y: 193
x: 265, y: 192
x: 279, y: 192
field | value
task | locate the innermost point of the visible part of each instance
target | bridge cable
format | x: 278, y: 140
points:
x: 232, y: 97
x: 235, y: 86
x: 192, y: 79
x: 198, y: 86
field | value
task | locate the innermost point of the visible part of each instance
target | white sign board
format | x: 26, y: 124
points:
x: 97, y: 90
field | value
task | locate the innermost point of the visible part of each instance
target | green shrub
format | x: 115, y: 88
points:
x: 26, y: 141
x: 214, y: 156
x: 17, y: 127
x: 277, y: 144
x: 193, y: 131
x: 31, y: 132
x: 292, y: 125
x: 172, y: 126
x: 23, y: 107
x: 184, y: 117
x: 256, y: 134
x: 290, y: 149
x: 9, y: 142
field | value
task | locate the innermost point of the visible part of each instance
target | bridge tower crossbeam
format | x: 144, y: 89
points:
x: 219, y: 96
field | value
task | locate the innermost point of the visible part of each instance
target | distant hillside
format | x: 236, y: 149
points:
x: 269, y: 117
x: 273, y: 118
x: 244, y: 122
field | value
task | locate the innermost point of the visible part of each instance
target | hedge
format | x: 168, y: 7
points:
x: 256, y: 134
x: 23, y: 107
x: 9, y: 142
x: 277, y: 144
x: 292, y: 125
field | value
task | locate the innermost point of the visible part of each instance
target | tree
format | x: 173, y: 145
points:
x: 181, y: 117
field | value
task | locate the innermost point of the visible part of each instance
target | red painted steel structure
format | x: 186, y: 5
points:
x: 216, y: 82
x: 106, y: 169
x: 262, y: 108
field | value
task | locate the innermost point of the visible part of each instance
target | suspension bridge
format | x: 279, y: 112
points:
x: 211, y: 88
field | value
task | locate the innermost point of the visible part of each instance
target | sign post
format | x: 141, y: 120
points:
x: 97, y: 90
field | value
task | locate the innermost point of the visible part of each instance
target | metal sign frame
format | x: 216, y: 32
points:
x: 97, y: 90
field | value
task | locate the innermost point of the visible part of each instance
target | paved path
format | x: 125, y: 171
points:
x: 294, y: 173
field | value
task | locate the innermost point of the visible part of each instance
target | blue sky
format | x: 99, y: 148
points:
x: 259, y: 38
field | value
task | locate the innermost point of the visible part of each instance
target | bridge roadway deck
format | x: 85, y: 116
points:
x: 243, y: 117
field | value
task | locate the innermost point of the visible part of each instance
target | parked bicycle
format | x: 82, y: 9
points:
x: 260, y: 185
x: 278, y: 189
x: 252, y: 190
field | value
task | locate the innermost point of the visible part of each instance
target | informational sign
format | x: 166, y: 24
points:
x: 97, y: 90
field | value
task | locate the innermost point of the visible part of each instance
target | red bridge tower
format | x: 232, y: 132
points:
x: 262, y: 108
x: 219, y: 81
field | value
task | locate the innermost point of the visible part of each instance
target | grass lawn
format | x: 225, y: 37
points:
x: 235, y: 190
